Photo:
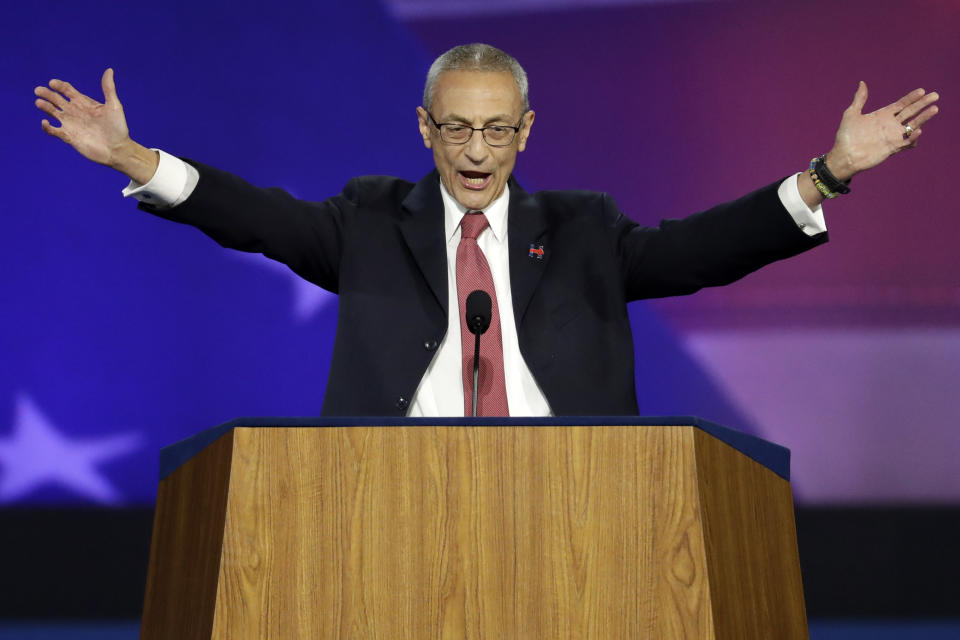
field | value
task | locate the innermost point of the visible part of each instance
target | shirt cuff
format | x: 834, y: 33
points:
x: 171, y: 184
x: 810, y: 221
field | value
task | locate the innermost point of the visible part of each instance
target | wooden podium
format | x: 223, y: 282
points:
x: 516, y: 529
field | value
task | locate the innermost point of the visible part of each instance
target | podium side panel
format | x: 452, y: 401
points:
x: 186, y: 546
x: 751, y: 541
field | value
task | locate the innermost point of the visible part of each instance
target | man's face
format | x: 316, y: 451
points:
x: 475, y: 173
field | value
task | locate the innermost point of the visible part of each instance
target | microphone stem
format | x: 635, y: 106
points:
x: 476, y: 371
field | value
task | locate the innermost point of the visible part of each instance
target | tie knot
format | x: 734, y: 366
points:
x: 473, y: 224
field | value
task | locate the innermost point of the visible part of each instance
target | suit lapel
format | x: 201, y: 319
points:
x: 422, y: 229
x: 527, y: 225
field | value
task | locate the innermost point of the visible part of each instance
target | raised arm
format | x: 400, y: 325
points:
x: 864, y: 140
x: 97, y: 130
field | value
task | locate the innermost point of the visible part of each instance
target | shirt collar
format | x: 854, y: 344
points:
x: 496, y: 213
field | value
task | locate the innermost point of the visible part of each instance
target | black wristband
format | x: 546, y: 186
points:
x: 829, y: 180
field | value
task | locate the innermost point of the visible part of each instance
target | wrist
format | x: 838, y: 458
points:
x: 840, y: 165
x: 826, y: 182
x: 135, y: 161
x: 808, y: 191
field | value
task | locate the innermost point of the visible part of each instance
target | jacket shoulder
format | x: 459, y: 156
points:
x: 572, y: 200
x: 577, y: 207
x: 369, y: 189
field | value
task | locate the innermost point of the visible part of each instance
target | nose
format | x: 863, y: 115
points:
x: 477, y: 149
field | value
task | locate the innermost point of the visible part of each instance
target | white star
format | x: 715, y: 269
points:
x: 308, y: 298
x: 37, y: 454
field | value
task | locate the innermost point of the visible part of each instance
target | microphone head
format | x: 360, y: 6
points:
x: 478, y: 311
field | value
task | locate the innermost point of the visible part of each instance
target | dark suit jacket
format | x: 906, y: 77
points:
x: 380, y: 245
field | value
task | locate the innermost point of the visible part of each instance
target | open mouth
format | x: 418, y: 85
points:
x: 475, y: 180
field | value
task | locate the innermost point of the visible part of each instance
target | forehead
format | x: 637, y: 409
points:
x: 476, y: 95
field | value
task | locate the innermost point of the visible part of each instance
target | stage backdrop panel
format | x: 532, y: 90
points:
x: 120, y: 332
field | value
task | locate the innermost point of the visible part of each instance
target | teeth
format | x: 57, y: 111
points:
x: 476, y: 181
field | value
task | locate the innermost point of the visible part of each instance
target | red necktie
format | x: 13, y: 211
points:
x: 473, y: 273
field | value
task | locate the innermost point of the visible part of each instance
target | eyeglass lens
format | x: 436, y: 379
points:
x: 495, y: 135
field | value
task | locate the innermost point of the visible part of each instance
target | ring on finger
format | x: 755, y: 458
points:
x: 907, y: 131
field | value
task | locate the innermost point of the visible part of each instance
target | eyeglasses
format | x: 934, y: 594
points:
x: 495, y: 135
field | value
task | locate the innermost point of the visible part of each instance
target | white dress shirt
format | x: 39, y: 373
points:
x: 441, y: 389
x: 440, y: 392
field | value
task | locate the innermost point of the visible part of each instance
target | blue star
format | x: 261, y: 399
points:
x: 308, y: 298
x: 37, y: 454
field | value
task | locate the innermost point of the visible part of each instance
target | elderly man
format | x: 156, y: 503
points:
x: 558, y: 266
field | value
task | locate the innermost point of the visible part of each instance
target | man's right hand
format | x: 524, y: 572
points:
x: 97, y: 130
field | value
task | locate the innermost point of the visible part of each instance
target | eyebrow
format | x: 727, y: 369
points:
x: 497, y: 118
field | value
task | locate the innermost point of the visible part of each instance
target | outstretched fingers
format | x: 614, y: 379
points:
x: 48, y: 108
x: 905, y: 101
x: 924, y: 116
x: 56, y: 132
x: 50, y: 96
x: 916, y: 107
x: 72, y: 94
x: 915, y: 115
x: 56, y: 102
x: 109, y: 87
x: 66, y: 89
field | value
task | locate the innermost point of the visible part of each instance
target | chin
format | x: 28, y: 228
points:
x: 470, y: 199
x: 476, y: 199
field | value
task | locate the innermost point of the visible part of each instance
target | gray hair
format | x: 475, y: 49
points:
x: 476, y: 57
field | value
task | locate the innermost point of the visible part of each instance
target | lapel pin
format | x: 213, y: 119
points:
x: 536, y: 251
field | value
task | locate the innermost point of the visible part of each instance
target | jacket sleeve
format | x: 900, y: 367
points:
x: 711, y: 248
x: 306, y: 236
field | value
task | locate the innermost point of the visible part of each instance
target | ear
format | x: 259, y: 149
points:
x: 424, y: 123
x: 524, y: 132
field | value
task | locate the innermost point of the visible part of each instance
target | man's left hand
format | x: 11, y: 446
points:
x: 865, y: 140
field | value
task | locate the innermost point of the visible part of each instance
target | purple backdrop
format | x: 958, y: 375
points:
x: 850, y: 354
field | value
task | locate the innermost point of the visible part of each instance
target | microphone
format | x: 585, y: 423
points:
x: 478, y: 312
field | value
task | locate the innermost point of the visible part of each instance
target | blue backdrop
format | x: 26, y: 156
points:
x: 120, y: 332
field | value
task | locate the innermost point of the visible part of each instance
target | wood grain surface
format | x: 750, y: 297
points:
x: 493, y: 532
x: 185, y: 548
x: 748, y: 516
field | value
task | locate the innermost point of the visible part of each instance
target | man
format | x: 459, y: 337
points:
x: 558, y: 266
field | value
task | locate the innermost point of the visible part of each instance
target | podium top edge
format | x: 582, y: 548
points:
x: 772, y: 456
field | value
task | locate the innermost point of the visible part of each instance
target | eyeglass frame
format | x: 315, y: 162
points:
x: 482, y: 130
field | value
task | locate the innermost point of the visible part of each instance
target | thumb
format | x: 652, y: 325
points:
x: 109, y: 88
x: 859, y: 98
